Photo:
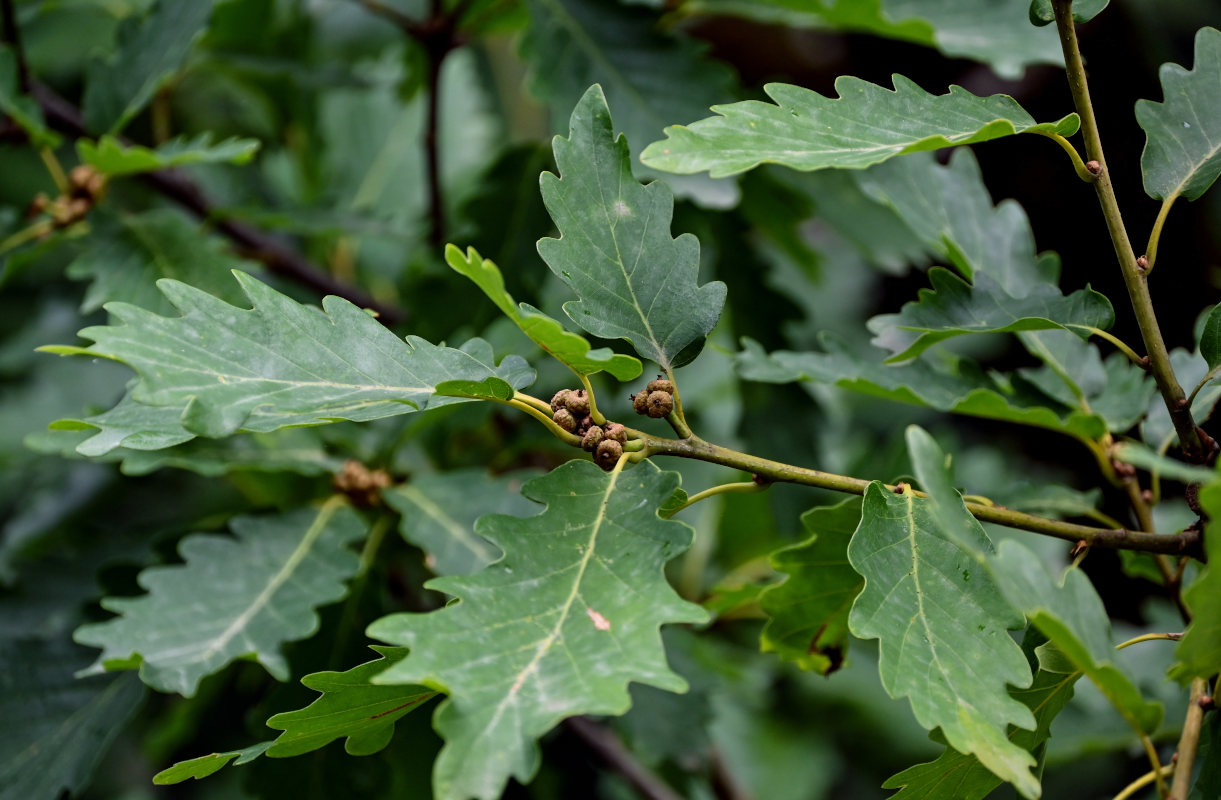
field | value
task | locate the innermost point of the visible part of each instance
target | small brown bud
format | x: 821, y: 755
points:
x: 1146, y: 495
x: 660, y: 385
x: 640, y: 402
x: 1093, y: 167
x: 608, y: 453
x: 38, y: 205
x: 564, y: 418
x: 900, y: 488
x: 584, y: 424
x: 615, y: 431
x: 592, y: 437
x: 577, y: 402
x: 1207, y: 702
x: 1080, y: 547
x: 659, y: 404
x: 1142, y: 263
x: 559, y: 399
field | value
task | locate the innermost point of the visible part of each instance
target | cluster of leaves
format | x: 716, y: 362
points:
x: 238, y: 470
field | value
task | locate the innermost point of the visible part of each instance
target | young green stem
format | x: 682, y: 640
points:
x: 1159, y: 776
x: 1134, y: 277
x: 560, y: 433
x: 1150, y: 637
x: 26, y: 234
x: 1113, y: 339
x: 1144, y: 780
x: 1189, y: 741
x: 1185, y: 543
x: 594, y: 413
x: 724, y: 488
x: 1078, y: 165
x: 1155, y: 235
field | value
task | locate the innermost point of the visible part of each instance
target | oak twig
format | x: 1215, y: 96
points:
x: 1135, y: 278
x: 1189, y: 741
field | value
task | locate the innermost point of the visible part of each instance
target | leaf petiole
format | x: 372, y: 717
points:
x: 1078, y: 165
x: 724, y: 488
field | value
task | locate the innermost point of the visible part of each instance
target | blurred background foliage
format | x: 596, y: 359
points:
x: 388, y: 129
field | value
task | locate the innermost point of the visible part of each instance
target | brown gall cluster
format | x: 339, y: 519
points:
x: 571, y: 409
x: 85, y: 188
x: 657, y: 399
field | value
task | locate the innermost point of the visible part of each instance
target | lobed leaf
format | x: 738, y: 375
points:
x: 351, y: 707
x: 570, y: 349
x: 1071, y: 615
x: 951, y: 384
x: 808, y: 613
x: 866, y: 124
x: 994, y: 33
x: 1199, y: 651
x: 233, y: 598
x: 279, y: 363
x: 203, y: 766
x: 149, y: 52
x: 575, y: 605
x: 60, y: 726
x: 615, y: 250
x: 439, y: 512
x: 943, y: 629
x: 114, y: 158
x: 963, y: 777
x: 1182, y: 155
x: 954, y: 307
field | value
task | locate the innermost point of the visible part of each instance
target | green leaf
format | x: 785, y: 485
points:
x: 1199, y: 651
x: 1210, y: 338
x: 954, y: 307
x: 577, y: 600
x: 951, y: 384
x: 615, y: 250
x: 1071, y: 615
x: 1182, y: 154
x: 1208, y: 780
x: 293, y: 450
x: 866, y: 124
x: 202, y: 767
x: 950, y: 210
x: 439, y: 513
x: 351, y: 706
x: 962, y: 777
x: 111, y: 157
x: 150, y: 51
x: 21, y: 108
x: 808, y: 612
x: 1074, y: 373
x: 943, y: 629
x: 570, y: 349
x: 233, y: 598
x: 125, y: 261
x: 280, y: 363
x: 994, y: 32
x: 1140, y: 456
x: 652, y: 75
x: 1041, y: 12
x: 60, y: 726
x: 129, y: 424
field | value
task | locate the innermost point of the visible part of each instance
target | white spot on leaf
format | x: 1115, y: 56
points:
x: 622, y: 209
x: 600, y: 622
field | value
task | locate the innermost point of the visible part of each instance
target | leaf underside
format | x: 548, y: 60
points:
x: 1199, y: 652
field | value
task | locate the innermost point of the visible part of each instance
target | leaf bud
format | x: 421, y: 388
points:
x: 659, y: 404
x: 559, y: 399
x: 608, y: 453
x: 577, y: 402
x: 592, y: 437
x: 1093, y: 167
x: 564, y: 418
x: 640, y: 402
x: 660, y: 385
x: 615, y: 431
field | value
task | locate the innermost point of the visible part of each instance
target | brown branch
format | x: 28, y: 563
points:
x: 278, y: 256
x: 608, y: 747
x: 438, y: 36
